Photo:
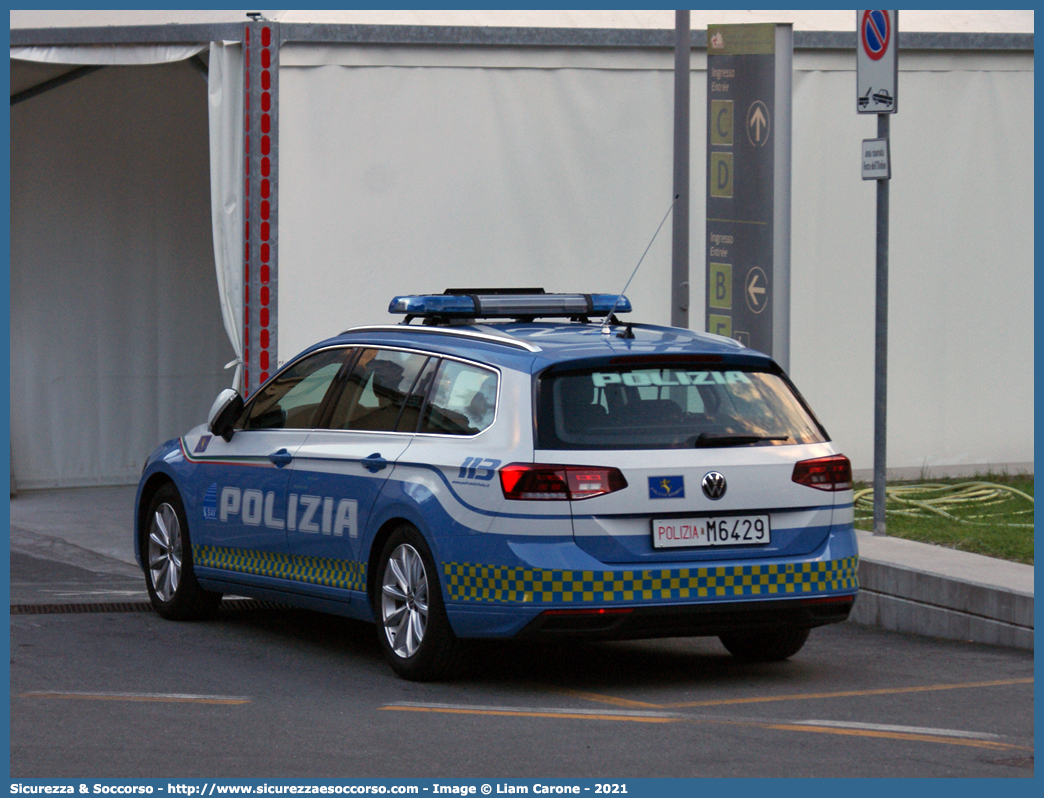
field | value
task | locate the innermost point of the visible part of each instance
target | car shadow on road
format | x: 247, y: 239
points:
x: 613, y: 665
x: 574, y: 664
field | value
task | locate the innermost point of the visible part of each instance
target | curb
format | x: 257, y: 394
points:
x: 228, y: 605
x: 930, y: 602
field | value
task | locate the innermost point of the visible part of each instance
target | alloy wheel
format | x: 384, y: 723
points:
x: 404, y: 600
x: 165, y: 552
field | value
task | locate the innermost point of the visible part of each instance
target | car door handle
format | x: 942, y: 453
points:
x: 374, y: 463
x: 281, y: 458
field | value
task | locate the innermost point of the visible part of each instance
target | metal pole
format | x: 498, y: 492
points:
x: 881, y: 345
x: 680, y: 247
x: 781, y: 194
x: 54, y: 83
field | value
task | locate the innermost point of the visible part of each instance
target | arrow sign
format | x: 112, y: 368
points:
x: 758, y: 123
x: 756, y: 289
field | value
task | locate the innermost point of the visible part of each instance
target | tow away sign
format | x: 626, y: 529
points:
x: 877, y: 51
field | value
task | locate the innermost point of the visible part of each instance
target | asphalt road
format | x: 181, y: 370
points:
x: 289, y: 693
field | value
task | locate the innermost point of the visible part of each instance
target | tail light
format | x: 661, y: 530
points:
x: 824, y: 473
x: 536, y: 482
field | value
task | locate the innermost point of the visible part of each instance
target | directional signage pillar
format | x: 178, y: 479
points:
x: 749, y: 70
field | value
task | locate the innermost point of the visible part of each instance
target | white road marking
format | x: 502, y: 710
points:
x: 549, y: 710
x: 69, y: 594
x: 237, y: 699
x: 840, y: 724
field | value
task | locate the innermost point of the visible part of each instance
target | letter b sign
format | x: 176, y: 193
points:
x: 720, y: 286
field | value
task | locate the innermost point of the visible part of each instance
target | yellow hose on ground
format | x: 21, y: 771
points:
x: 940, y: 499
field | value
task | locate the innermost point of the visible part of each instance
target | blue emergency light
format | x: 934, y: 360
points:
x: 510, y: 304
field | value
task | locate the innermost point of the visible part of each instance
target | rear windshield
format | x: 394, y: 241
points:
x: 676, y: 407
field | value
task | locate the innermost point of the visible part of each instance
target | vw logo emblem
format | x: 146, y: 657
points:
x: 714, y: 485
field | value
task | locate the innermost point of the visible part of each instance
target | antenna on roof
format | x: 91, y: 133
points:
x: 605, y: 322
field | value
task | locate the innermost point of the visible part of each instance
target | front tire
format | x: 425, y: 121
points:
x: 412, y: 626
x: 167, y: 555
x: 770, y: 645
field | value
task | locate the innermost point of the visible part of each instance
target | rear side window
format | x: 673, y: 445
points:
x: 463, y: 400
x: 676, y: 407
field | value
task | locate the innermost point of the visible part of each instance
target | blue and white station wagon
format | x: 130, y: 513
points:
x: 511, y: 466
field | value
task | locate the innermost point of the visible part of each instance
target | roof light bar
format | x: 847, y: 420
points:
x: 489, y: 306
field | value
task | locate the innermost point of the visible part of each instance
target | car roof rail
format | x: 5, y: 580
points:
x: 493, y: 336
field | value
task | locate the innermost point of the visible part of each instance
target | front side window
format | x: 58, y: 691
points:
x: 675, y: 407
x: 292, y: 398
x: 463, y: 400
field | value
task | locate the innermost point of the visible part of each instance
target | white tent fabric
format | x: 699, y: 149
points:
x: 412, y: 171
x: 523, y: 165
x: 117, y: 341
x: 934, y: 20
x: 145, y: 273
x: 225, y: 95
x: 108, y: 55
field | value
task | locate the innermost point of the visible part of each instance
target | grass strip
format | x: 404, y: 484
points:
x: 991, y: 514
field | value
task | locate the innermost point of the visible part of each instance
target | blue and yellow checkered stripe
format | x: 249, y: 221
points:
x: 479, y: 583
x: 346, y: 574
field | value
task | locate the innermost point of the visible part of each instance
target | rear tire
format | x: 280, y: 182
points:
x: 770, y: 645
x: 412, y: 627
x: 166, y: 553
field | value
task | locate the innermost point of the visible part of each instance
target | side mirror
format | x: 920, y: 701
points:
x: 223, y: 413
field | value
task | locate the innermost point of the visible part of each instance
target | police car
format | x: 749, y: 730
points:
x: 509, y: 464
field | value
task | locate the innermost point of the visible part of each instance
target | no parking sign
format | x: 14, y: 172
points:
x: 877, y: 50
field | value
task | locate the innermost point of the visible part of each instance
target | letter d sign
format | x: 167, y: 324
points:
x: 721, y: 175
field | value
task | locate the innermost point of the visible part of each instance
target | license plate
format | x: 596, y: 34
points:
x: 728, y: 530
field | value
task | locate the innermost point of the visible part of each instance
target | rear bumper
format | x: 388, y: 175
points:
x: 691, y: 620
x: 683, y: 600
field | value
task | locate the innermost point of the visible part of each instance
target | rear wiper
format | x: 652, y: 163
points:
x: 707, y: 439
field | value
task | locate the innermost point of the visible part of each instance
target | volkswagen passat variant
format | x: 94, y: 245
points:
x: 507, y: 464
